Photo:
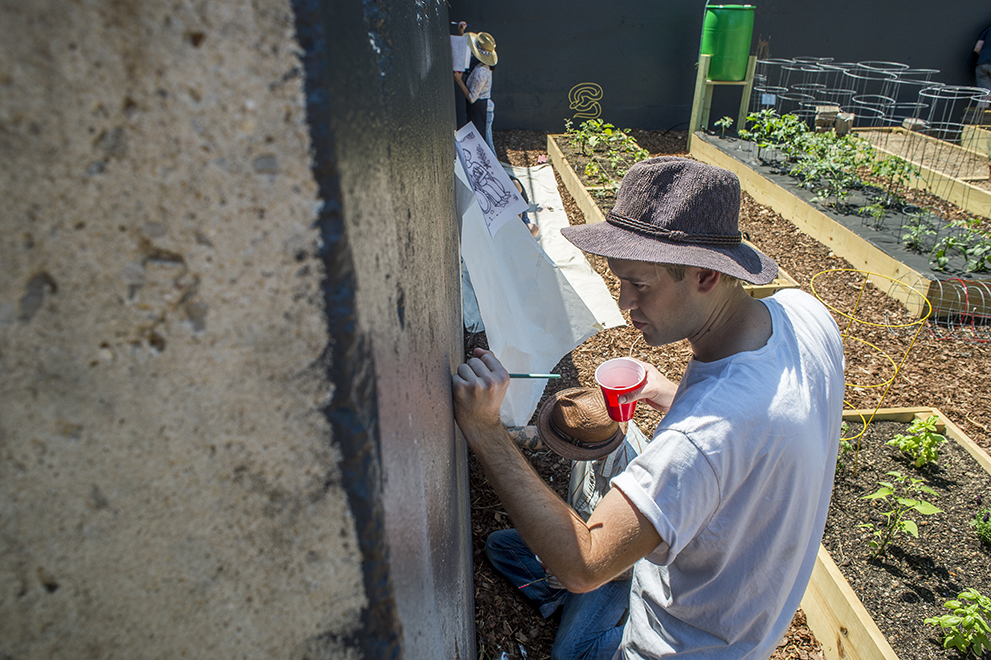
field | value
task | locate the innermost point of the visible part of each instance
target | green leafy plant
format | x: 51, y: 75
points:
x: 830, y: 165
x: 982, y: 523
x: 904, y: 491
x: 876, y: 211
x: 612, y: 151
x: 920, y: 441
x: 896, y: 173
x: 971, y: 244
x: 845, y: 448
x: 918, y: 232
x: 772, y: 131
x: 966, y: 628
x: 723, y: 124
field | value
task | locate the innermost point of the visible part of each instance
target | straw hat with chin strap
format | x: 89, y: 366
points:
x: 483, y: 46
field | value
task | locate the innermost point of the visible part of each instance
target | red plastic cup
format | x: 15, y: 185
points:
x: 616, y: 377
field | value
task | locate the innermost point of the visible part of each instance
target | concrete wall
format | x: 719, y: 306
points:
x: 228, y: 307
x: 643, y: 54
x: 379, y: 80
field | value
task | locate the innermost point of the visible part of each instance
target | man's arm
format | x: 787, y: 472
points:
x: 979, y: 46
x: 581, y: 555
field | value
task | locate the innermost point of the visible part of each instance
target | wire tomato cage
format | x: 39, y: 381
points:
x: 963, y: 312
x: 880, y: 319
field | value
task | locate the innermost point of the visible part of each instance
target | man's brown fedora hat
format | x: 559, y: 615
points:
x: 677, y: 211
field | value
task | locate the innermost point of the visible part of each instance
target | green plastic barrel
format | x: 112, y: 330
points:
x: 726, y: 35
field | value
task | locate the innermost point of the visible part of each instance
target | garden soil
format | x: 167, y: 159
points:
x: 949, y: 371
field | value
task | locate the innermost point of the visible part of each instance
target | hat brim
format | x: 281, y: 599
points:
x: 485, y: 58
x: 742, y: 261
x: 565, y: 449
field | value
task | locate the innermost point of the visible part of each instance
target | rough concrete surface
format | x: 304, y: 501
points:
x: 392, y: 115
x: 168, y: 484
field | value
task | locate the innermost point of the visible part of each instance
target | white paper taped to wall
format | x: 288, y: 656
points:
x: 460, y: 52
x: 497, y: 196
x: 533, y: 314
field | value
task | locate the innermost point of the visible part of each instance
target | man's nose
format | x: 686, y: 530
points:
x: 627, y: 300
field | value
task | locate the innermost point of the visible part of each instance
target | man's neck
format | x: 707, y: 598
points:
x: 737, y: 324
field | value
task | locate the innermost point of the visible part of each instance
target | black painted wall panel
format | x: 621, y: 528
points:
x: 643, y: 54
x: 378, y: 83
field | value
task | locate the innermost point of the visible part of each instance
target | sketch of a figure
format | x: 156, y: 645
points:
x: 491, y: 192
x: 498, y: 199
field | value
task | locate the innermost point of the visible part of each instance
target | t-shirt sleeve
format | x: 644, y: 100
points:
x: 675, y: 487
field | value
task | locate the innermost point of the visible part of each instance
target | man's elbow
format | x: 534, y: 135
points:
x: 581, y: 581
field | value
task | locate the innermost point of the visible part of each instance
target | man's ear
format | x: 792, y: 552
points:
x: 707, y: 279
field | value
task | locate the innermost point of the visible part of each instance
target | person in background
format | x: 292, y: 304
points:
x: 477, y: 88
x: 722, y: 514
x: 982, y: 69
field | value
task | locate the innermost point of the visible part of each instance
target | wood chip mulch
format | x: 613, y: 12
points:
x: 945, y: 371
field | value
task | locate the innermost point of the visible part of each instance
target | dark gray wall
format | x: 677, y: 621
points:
x: 643, y: 54
x: 378, y: 83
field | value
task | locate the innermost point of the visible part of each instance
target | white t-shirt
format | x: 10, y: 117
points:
x: 737, y: 482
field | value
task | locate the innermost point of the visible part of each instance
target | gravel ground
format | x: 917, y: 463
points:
x: 943, y: 369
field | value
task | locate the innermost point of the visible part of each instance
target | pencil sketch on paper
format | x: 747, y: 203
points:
x: 497, y: 196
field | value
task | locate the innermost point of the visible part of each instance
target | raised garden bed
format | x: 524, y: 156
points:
x: 595, y: 201
x: 864, y: 608
x: 956, y: 173
x: 869, y: 245
x: 976, y: 138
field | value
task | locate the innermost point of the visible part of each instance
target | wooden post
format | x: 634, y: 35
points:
x: 741, y: 122
x: 702, y: 102
x: 701, y: 91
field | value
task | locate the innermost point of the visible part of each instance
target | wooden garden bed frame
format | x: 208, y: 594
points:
x: 958, y: 191
x: 833, y: 612
x: 947, y: 297
x: 593, y: 214
x: 977, y: 139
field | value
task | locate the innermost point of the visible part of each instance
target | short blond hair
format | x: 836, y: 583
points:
x: 678, y: 272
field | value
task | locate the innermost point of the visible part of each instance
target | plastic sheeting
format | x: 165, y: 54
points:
x: 539, y: 299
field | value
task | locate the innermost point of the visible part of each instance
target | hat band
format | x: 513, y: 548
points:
x: 673, y: 235
x: 575, y: 443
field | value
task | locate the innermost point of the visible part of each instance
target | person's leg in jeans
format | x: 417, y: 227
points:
x: 983, y: 75
x: 489, y: 115
x: 591, y: 625
x: 511, y: 557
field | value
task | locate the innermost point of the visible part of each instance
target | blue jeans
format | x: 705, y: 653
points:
x: 489, y: 113
x: 592, y: 623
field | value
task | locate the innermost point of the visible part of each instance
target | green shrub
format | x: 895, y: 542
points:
x: 982, y: 524
x: 921, y: 441
x: 966, y: 629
